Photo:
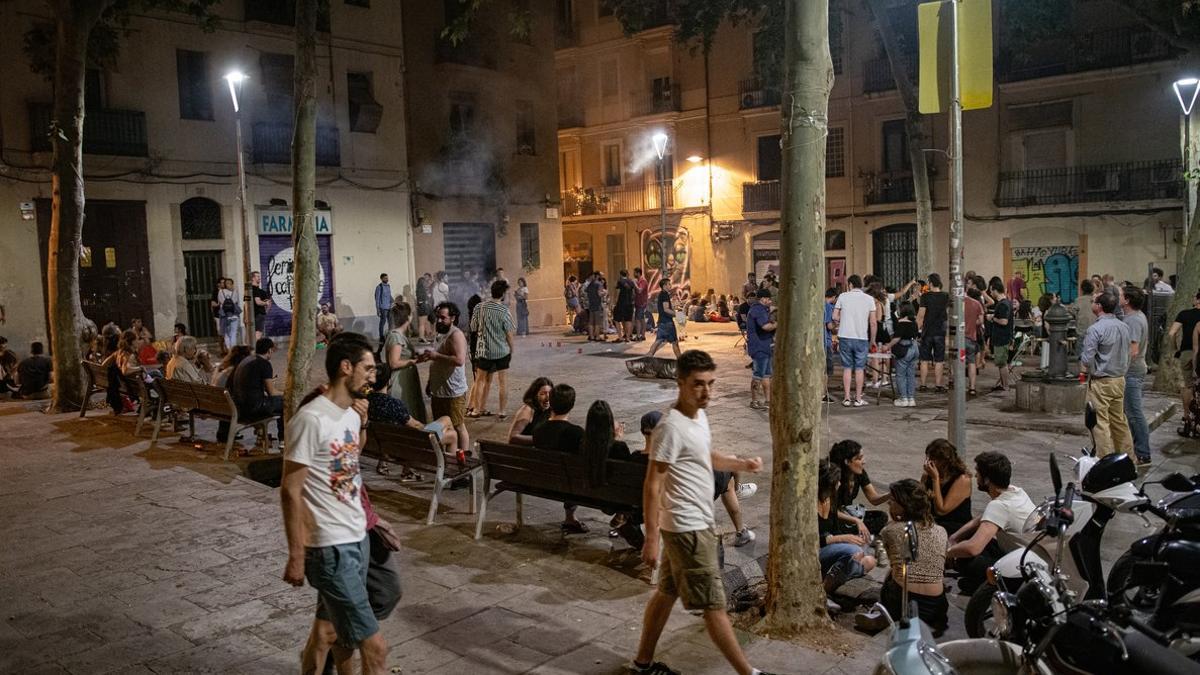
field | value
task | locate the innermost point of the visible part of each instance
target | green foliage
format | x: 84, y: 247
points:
x: 520, y: 21
x: 104, y: 42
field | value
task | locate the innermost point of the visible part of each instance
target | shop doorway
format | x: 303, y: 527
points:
x: 201, y: 270
x: 577, y: 254
x: 469, y: 249
x: 114, y: 261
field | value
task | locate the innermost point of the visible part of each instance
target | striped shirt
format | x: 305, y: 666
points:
x: 493, y: 322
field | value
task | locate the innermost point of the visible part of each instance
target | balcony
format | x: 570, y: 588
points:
x: 618, y: 199
x: 658, y: 101
x: 465, y: 53
x: 889, y: 187
x: 105, y: 132
x: 273, y: 144
x: 877, y: 74
x: 283, y: 13
x: 1129, y: 181
x: 754, y: 93
x: 763, y: 195
x: 1089, y: 51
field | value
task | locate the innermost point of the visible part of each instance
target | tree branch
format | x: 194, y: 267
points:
x: 1164, y: 26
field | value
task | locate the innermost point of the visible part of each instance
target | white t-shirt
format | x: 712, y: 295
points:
x: 686, y: 445
x: 1009, y: 510
x: 325, y: 438
x: 855, y: 319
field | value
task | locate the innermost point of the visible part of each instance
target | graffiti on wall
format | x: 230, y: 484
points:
x: 1048, y: 269
x: 679, y: 245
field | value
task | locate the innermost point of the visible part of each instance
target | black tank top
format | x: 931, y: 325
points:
x: 961, y: 515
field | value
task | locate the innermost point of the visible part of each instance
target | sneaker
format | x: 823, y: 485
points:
x: 744, y: 537
x: 871, y: 620
x: 911, y: 403
x: 835, y: 577
x: 900, y: 403
x: 858, y: 403
x: 846, y: 403
x: 746, y: 490
x: 655, y: 668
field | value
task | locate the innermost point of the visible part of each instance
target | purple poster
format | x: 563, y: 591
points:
x: 278, y: 260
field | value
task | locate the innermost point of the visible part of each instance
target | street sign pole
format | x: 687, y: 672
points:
x: 957, y: 430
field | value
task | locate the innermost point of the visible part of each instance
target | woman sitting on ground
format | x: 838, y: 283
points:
x: 843, y: 556
x: 533, y: 413
x: 948, y: 482
x: 847, y: 457
x: 910, y: 502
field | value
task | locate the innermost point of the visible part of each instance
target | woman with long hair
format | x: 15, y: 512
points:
x: 948, y: 482
x: 534, y: 411
x: 910, y: 503
x: 847, y: 457
x: 404, y: 382
x: 232, y: 358
x: 600, y: 441
x: 522, y: 296
x: 843, y: 556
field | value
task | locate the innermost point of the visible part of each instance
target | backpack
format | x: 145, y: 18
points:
x: 229, y: 307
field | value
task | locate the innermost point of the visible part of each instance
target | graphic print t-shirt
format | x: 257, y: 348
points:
x: 325, y: 438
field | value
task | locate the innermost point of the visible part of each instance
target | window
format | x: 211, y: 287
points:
x: 609, y: 80
x: 462, y: 114
x: 835, y: 153
x: 661, y: 94
x: 195, y: 91
x: 835, y: 36
x: 835, y: 240
x: 200, y: 218
x: 612, y: 164
x: 895, y: 147
x: 526, y: 138
x: 1040, y: 136
x: 365, y: 111
x: 277, y: 76
x: 531, y: 246
x: 770, y: 158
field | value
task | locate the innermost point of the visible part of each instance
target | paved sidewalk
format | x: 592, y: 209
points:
x: 121, y: 559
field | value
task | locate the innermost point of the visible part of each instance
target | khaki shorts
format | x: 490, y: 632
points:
x: 454, y: 408
x: 689, y: 569
x: 1000, y: 355
x: 1185, y: 369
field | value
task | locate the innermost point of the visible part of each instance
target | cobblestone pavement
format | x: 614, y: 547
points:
x: 122, y: 559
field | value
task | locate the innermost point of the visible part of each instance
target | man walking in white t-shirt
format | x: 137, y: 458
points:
x: 323, y: 514
x: 855, y: 317
x: 677, y: 501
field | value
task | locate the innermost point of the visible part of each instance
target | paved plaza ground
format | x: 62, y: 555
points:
x: 121, y: 559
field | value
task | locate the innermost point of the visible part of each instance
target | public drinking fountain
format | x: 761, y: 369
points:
x: 1053, y: 389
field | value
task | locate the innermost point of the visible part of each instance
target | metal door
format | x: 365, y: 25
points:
x: 895, y: 254
x: 468, y: 247
x: 201, y: 269
x: 114, y: 265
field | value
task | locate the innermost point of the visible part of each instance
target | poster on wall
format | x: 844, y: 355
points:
x: 277, y: 260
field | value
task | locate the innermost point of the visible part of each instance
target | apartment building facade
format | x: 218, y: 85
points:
x: 162, y: 217
x: 1075, y: 169
x: 483, y: 148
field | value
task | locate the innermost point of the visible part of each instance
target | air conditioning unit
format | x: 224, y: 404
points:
x: 1102, y: 180
x: 1148, y: 46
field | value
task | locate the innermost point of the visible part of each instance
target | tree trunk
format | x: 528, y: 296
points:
x: 66, y: 222
x: 304, y: 236
x: 795, y: 598
x: 914, y: 127
x: 1167, y: 378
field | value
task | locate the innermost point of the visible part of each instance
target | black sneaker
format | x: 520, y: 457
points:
x: 655, y: 668
x: 835, y: 577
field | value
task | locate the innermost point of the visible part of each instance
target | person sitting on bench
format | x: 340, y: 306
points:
x: 557, y: 433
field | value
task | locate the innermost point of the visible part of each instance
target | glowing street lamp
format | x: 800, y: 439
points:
x: 235, y: 79
x: 1186, y: 90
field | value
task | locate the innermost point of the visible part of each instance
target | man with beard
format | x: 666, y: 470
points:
x: 323, y: 515
x: 973, y: 548
x: 678, y: 503
x: 447, y: 372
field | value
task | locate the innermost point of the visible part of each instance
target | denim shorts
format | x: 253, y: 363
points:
x: 435, y: 427
x: 853, y: 353
x: 761, y: 366
x: 339, y: 573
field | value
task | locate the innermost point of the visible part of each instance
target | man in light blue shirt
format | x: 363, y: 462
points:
x: 383, y: 305
x: 1105, y: 358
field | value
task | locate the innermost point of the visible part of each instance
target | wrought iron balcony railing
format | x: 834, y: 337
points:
x: 272, y: 143
x: 619, y: 199
x: 105, y: 132
x: 1128, y: 181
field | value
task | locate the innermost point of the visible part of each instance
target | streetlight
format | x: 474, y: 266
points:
x: 235, y: 79
x: 660, y: 149
x: 1186, y: 90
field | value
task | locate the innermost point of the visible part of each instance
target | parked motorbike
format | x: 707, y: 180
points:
x: 1062, y: 635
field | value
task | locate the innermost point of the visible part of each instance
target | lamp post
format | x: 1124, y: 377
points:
x: 236, y: 79
x: 660, y: 149
x: 1186, y: 90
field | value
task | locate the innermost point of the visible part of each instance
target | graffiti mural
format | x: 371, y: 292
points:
x: 1049, y: 269
x: 679, y: 261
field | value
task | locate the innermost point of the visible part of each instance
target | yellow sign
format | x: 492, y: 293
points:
x: 974, y: 54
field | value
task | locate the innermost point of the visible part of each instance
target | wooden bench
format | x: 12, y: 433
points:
x: 557, y: 476
x: 133, y: 385
x: 207, y: 402
x: 420, y: 450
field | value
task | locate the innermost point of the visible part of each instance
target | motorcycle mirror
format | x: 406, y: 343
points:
x: 1177, y: 482
x: 1089, y: 416
x: 1055, y: 475
x: 910, y: 531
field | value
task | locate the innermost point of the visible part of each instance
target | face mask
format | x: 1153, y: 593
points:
x: 442, y: 328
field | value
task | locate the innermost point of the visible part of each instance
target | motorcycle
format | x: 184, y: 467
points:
x: 1059, y: 634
